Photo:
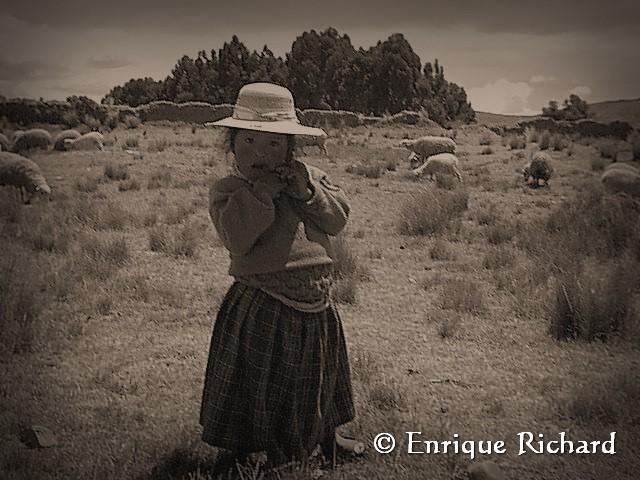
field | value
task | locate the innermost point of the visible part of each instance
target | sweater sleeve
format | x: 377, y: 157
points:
x: 328, y: 208
x: 240, y: 213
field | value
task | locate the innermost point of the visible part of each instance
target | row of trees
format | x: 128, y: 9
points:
x: 574, y: 108
x: 323, y: 70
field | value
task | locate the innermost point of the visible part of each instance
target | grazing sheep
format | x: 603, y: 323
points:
x: 622, y: 166
x: 622, y: 180
x: 29, y: 139
x: 441, y: 163
x: 539, y: 168
x: 4, y: 143
x: 88, y: 141
x: 24, y: 174
x: 425, y: 147
x: 62, y: 136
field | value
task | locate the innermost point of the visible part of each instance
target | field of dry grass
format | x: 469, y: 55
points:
x: 452, y: 319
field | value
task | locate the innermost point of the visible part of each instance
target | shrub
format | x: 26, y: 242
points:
x: 116, y: 171
x: 131, y: 142
x: 558, y: 142
x: 158, y: 145
x: 487, y: 215
x: 20, y: 301
x: 608, y: 148
x: 499, y: 257
x: 184, y: 242
x: 485, y: 139
x: 487, y: 151
x: 598, y: 163
x: 517, y: 142
x: 429, y: 212
x: 131, y: 121
x: 129, y: 184
x: 594, y: 305
x: 441, y: 251
x: 500, y: 232
x: 461, y: 295
x: 87, y: 184
x: 544, y: 140
x: 160, y: 178
x: 532, y: 135
x: 634, y: 140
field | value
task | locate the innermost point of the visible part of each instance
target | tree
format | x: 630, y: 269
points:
x: 574, y: 108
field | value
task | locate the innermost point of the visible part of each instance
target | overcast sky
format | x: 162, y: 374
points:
x: 511, y: 57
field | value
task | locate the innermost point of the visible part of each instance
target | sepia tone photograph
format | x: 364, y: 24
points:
x: 319, y: 240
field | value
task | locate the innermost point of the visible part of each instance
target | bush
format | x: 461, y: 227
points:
x: 544, y: 140
x: 131, y: 121
x: 485, y: 139
x: 441, y: 251
x: 461, y: 295
x: 20, y: 301
x: 598, y: 164
x: 429, y: 212
x: 634, y: 140
x: 517, y: 142
x: 158, y: 145
x: 590, y: 304
x: 131, y: 142
x: 558, y: 142
x: 487, y: 151
x: 532, y: 135
x: 161, y: 178
x: 184, y: 242
x: 87, y: 184
x: 500, y: 232
x: 446, y: 181
x: 116, y: 172
x: 499, y: 257
x: 129, y: 184
x: 608, y: 148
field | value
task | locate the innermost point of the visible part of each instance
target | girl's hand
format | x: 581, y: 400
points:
x: 296, y: 176
x: 270, y: 183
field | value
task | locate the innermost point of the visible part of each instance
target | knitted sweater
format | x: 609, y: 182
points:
x: 266, y: 235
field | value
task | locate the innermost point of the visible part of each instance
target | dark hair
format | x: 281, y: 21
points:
x: 231, y: 138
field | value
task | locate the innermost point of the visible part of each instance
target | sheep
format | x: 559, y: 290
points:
x: 539, y: 168
x: 59, y: 143
x: 29, y: 139
x: 88, y: 141
x: 311, y: 141
x: 4, y: 143
x: 622, y: 180
x: 623, y: 166
x: 24, y: 174
x: 441, y: 163
x: 427, y: 146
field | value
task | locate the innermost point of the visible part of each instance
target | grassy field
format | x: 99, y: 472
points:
x: 452, y: 308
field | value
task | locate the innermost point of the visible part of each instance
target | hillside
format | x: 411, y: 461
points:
x: 623, y: 110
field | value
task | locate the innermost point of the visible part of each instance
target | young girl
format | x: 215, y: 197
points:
x: 277, y: 378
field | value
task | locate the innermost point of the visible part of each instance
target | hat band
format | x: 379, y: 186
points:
x: 241, y: 112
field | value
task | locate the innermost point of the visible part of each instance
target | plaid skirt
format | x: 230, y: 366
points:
x: 277, y: 379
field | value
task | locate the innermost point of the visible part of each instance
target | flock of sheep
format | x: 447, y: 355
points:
x: 24, y: 174
x: 429, y: 156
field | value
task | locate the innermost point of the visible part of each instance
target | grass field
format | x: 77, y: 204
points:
x: 110, y: 292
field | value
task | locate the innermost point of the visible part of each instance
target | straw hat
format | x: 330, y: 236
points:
x: 266, y: 107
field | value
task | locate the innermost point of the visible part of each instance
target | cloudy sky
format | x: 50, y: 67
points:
x: 511, y: 57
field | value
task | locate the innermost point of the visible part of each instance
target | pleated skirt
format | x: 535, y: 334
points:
x: 277, y: 379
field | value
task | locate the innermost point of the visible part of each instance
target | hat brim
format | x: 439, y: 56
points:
x: 286, y: 127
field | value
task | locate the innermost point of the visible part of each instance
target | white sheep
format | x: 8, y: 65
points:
x: 59, y: 143
x: 623, y: 166
x: 311, y: 141
x: 23, y: 174
x: 88, y: 141
x: 29, y: 139
x: 622, y: 180
x: 539, y: 168
x: 427, y: 146
x: 446, y: 163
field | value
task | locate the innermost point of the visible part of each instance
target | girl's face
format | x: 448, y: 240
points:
x: 258, y: 153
